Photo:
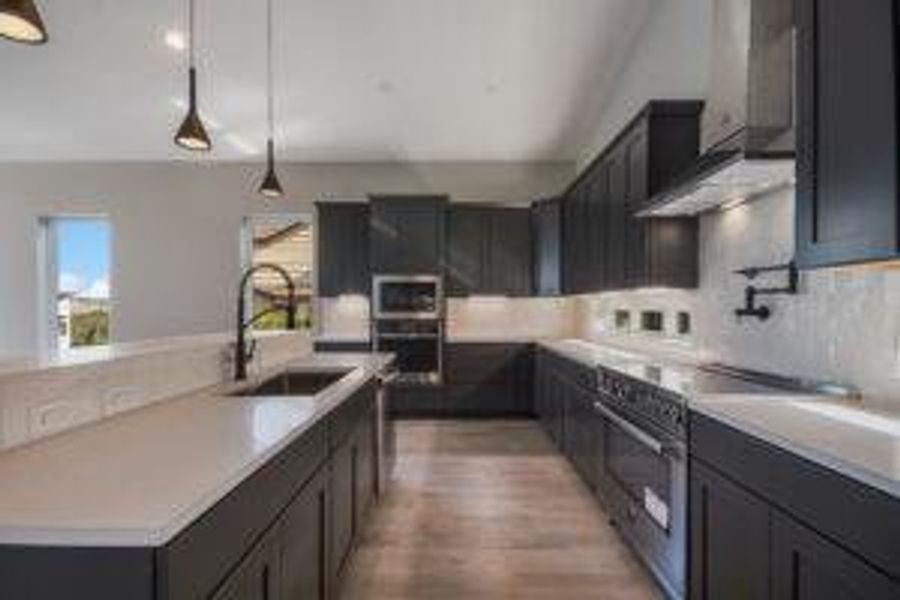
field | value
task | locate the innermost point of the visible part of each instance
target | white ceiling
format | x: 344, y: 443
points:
x: 357, y: 80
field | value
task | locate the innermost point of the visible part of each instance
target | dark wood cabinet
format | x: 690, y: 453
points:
x: 488, y: 379
x: 489, y: 251
x: 606, y: 246
x: 765, y: 523
x: 547, y: 254
x: 343, y: 509
x: 808, y: 566
x: 304, y: 542
x: 729, y: 532
x: 407, y: 234
x: 466, y: 250
x: 847, y: 132
x: 343, y: 249
x: 258, y: 577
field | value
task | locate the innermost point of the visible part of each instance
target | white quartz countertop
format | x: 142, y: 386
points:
x: 140, y: 478
x: 858, y: 438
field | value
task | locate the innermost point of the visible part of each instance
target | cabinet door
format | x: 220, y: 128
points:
x: 343, y: 249
x: 465, y: 250
x: 637, y: 263
x: 508, y: 270
x: 595, y: 224
x: 807, y: 566
x: 258, y: 577
x: 365, y: 469
x: 617, y: 214
x: 304, y: 543
x: 729, y: 539
x: 547, y: 248
x: 408, y: 235
x: 343, y: 506
x: 847, y: 132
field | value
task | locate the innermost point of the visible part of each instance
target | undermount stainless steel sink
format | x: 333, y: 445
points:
x: 295, y: 383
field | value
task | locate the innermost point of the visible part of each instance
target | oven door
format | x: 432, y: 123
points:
x: 407, y: 297
x: 644, y: 481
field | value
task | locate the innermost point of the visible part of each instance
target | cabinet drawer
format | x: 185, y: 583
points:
x: 196, y: 561
x: 820, y: 497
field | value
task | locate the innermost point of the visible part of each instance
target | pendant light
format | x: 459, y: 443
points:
x: 20, y: 21
x: 270, y: 187
x: 192, y: 134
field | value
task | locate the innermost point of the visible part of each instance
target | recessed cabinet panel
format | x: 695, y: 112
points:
x: 343, y: 249
x: 606, y: 247
x: 547, y: 227
x: 489, y: 251
x: 407, y: 235
x: 847, y: 169
x: 729, y: 539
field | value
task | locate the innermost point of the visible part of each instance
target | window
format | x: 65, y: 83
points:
x: 76, y: 284
x: 286, y: 241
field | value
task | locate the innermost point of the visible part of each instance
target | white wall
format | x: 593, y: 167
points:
x: 843, y: 326
x: 176, y: 255
x: 669, y: 61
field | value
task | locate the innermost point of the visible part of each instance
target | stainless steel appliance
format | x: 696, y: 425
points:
x: 407, y: 297
x: 408, y: 321
x: 643, y: 473
x: 747, y: 129
x: 643, y: 476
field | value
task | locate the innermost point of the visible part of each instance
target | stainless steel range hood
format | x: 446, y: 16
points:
x: 747, y: 127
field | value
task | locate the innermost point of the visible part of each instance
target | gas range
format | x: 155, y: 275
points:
x: 660, y: 393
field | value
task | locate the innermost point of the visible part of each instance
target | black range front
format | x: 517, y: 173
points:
x: 643, y: 474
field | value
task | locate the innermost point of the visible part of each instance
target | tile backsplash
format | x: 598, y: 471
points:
x: 843, y: 326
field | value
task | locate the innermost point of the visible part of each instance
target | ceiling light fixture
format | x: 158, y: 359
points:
x: 20, y: 21
x: 175, y: 40
x: 192, y: 134
x: 271, y: 187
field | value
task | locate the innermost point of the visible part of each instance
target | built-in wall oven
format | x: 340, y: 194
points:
x: 643, y: 475
x: 408, y: 321
x: 408, y: 297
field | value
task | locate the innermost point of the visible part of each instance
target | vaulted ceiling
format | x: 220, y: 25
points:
x: 357, y: 80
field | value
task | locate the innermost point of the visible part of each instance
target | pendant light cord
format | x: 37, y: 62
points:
x: 191, y: 34
x: 269, y: 74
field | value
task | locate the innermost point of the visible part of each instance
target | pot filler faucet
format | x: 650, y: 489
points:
x: 243, y: 354
x: 750, y: 308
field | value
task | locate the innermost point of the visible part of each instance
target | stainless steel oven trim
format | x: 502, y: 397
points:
x: 379, y: 313
x: 638, y: 434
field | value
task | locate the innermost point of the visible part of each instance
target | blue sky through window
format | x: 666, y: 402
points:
x: 83, y: 256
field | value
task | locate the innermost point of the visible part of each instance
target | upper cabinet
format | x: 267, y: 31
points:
x: 607, y: 247
x: 407, y: 234
x: 547, y: 231
x: 489, y: 251
x: 847, y: 146
x: 343, y: 249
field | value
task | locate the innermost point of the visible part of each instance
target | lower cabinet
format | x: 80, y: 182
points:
x: 343, y: 465
x: 807, y: 566
x: 481, y: 379
x: 302, y: 554
x: 258, y: 577
x: 729, y: 532
x: 765, y: 523
x: 304, y: 542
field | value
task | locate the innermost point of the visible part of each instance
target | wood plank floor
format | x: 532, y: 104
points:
x: 489, y: 509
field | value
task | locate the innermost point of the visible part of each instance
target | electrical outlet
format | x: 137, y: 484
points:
x: 122, y: 398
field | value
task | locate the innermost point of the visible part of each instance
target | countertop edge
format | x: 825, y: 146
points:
x: 153, y: 536
x: 826, y: 460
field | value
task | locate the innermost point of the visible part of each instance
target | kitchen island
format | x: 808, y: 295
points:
x: 203, y: 494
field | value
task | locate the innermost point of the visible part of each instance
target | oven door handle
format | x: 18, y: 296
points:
x: 638, y: 434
